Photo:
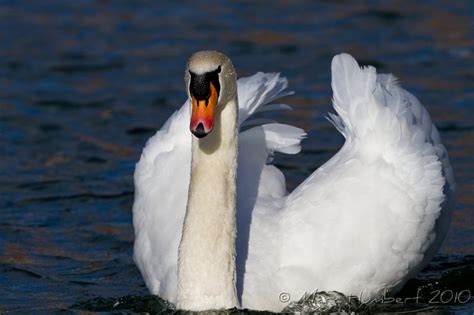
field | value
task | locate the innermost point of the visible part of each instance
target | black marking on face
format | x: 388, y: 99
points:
x: 199, y: 86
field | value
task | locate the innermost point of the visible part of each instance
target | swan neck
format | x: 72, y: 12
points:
x: 206, y: 262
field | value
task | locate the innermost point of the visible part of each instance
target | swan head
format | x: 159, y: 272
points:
x: 210, y: 83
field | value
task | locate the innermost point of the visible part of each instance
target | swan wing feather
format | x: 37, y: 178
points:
x: 371, y: 216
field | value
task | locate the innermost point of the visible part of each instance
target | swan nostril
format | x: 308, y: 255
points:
x: 199, y: 132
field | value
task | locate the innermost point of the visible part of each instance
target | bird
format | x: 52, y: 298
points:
x: 215, y: 227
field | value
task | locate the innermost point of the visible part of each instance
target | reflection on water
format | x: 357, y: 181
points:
x: 84, y: 84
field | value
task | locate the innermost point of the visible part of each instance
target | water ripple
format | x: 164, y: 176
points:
x: 84, y: 84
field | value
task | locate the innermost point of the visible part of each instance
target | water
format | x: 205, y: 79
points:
x: 83, y: 84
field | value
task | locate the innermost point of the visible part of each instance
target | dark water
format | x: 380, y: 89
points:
x: 83, y: 84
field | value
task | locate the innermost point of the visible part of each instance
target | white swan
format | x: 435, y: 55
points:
x: 362, y: 224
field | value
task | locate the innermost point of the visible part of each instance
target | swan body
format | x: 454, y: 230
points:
x: 215, y: 228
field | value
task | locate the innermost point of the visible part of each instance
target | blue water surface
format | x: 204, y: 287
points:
x: 83, y: 84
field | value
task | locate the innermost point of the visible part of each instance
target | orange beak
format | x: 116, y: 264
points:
x: 202, y: 117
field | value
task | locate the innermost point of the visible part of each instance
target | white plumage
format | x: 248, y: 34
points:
x: 364, y: 222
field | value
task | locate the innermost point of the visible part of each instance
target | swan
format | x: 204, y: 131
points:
x: 215, y: 227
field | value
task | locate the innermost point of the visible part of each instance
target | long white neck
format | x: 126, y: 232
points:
x: 206, y: 258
